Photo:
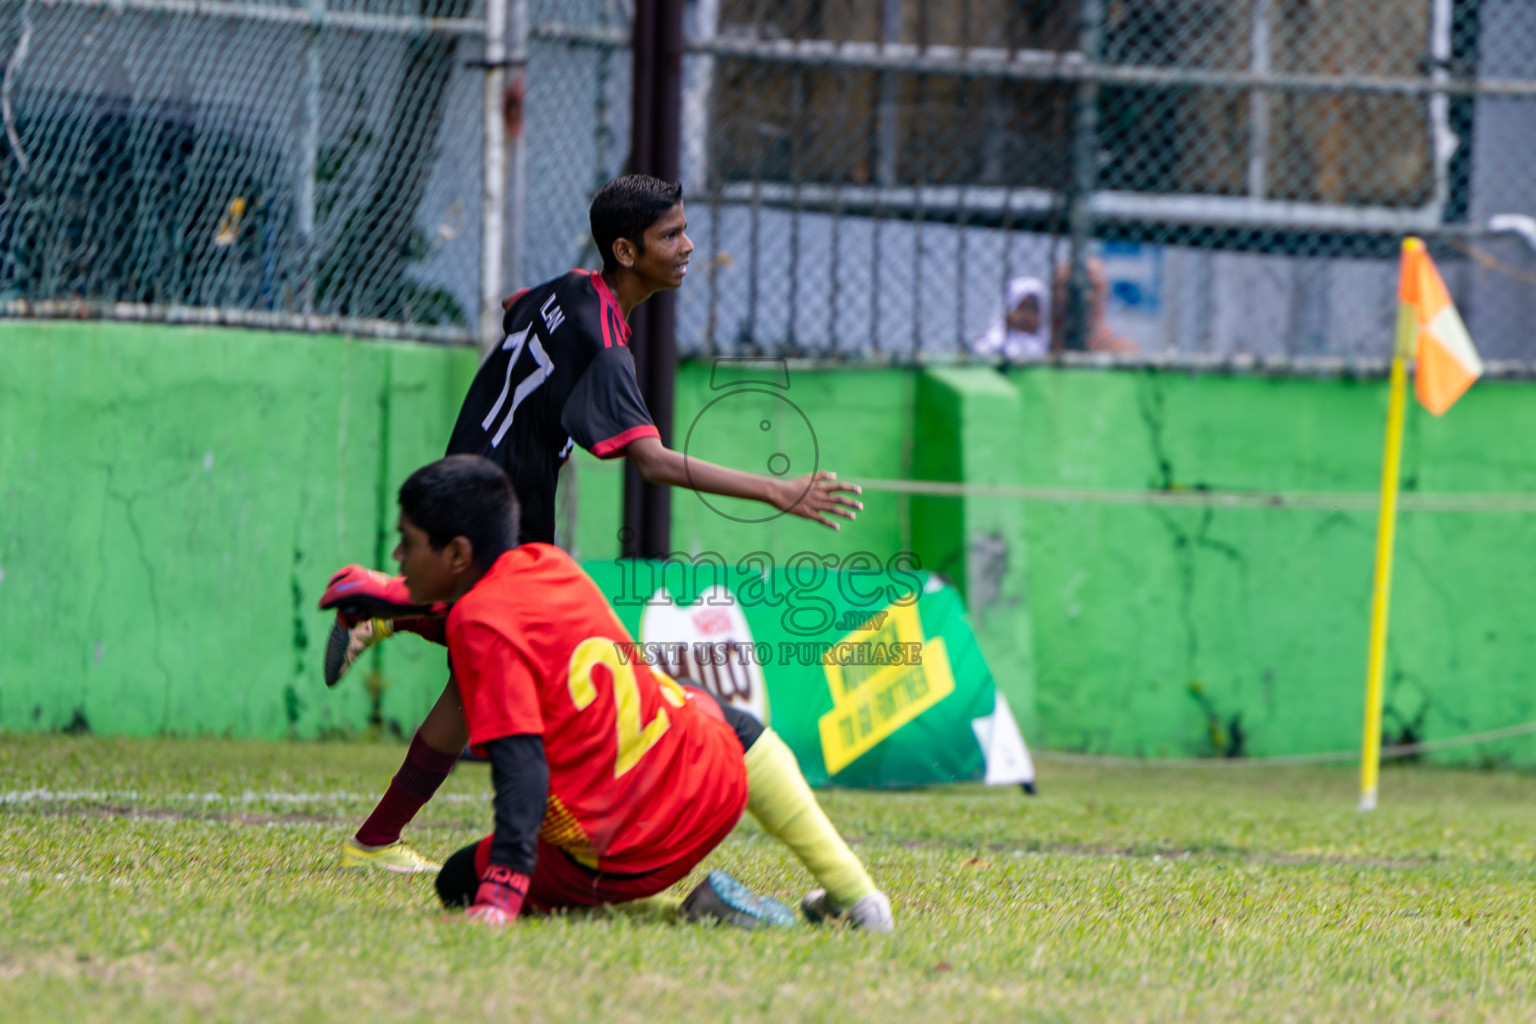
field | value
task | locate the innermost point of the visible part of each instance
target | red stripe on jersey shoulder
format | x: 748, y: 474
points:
x: 618, y: 442
x: 620, y: 328
x: 508, y: 302
x: 615, y: 327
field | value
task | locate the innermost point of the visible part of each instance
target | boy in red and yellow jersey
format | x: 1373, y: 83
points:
x: 611, y: 781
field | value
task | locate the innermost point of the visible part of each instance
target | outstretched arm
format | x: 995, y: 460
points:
x: 813, y: 496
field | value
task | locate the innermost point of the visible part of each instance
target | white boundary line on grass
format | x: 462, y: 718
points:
x: 1282, y: 760
x: 130, y: 796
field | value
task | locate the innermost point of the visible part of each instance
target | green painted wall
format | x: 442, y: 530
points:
x: 971, y: 421
x: 1151, y: 625
x: 1173, y: 631
x: 857, y: 423
x: 171, y: 503
x: 172, y: 499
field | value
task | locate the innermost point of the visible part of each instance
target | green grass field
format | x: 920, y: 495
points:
x: 192, y: 880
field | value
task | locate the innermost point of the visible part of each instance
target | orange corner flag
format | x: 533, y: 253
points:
x: 1429, y: 327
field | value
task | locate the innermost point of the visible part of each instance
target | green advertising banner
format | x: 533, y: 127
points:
x: 871, y: 674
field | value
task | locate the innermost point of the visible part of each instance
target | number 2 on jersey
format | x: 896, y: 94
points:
x: 634, y: 739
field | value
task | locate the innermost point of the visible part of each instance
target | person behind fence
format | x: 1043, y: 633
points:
x: 1021, y: 329
x: 1101, y: 337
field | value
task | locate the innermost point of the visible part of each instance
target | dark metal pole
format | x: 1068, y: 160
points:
x: 642, y: 91
x: 662, y: 342
x: 655, y: 148
x: 1085, y: 170
x: 642, y: 79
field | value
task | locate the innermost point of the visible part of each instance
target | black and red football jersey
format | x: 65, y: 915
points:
x: 563, y: 376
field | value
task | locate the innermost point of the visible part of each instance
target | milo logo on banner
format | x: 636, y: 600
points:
x: 710, y: 643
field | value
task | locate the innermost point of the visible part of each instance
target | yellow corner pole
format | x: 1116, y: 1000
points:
x: 1386, y: 523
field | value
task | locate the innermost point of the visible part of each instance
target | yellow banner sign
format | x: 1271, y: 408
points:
x: 882, y: 675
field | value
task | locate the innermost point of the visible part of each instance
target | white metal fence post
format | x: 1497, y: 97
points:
x: 517, y: 170
x: 493, y: 188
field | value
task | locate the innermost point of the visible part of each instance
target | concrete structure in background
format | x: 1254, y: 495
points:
x: 174, y: 499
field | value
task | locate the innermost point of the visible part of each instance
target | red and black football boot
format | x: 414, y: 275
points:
x: 372, y: 606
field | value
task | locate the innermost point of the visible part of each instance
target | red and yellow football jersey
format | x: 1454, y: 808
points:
x: 640, y: 771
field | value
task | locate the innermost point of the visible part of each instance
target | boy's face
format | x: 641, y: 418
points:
x: 1025, y: 317
x: 431, y: 574
x: 663, y: 263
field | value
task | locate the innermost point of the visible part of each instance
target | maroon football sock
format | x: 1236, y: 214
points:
x: 429, y: 628
x: 413, y: 785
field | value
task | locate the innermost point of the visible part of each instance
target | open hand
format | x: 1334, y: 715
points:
x: 817, y: 495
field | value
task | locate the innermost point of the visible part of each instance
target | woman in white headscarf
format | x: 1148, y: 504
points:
x: 1021, y: 329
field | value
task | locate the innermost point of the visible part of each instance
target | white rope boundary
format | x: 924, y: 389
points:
x: 18, y: 797
x: 1399, y: 750
x: 1319, y: 501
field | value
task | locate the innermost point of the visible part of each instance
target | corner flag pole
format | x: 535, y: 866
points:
x: 1386, y: 523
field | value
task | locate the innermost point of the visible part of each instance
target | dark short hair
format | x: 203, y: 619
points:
x: 625, y: 207
x: 463, y: 496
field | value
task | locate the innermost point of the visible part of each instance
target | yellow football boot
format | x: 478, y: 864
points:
x: 395, y: 856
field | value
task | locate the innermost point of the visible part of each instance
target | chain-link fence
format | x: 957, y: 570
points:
x: 909, y: 177
x: 290, y: 164
x: 889, y: 178
x: 579, y: 73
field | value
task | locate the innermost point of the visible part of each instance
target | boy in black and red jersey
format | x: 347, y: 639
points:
x: 611, y: 781
x: 563, y: 376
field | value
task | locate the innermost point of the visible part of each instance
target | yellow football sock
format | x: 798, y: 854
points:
x: 780, y: 799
